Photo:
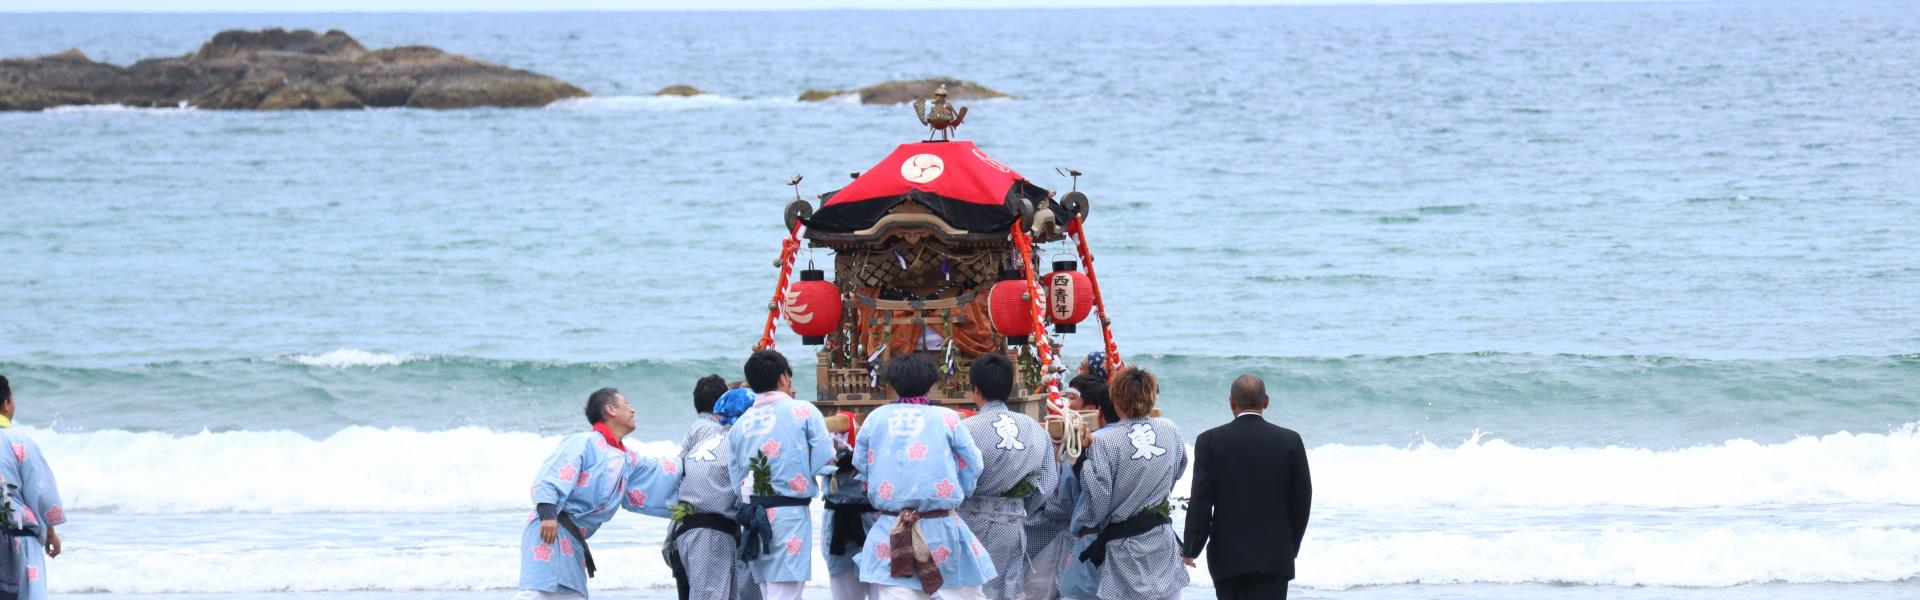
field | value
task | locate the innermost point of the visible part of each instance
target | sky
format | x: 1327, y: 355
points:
x: 257, y: 6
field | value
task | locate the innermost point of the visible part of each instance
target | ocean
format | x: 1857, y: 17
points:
x: 1585, y: 301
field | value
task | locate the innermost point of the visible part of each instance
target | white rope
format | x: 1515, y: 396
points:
x: 1071, y: 432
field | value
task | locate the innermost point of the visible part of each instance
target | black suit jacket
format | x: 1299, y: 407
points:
x: 1251, y: 496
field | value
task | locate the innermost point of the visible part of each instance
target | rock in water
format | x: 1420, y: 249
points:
x: 902, y: 92
x: 680, y: 90
x: 275, y: 69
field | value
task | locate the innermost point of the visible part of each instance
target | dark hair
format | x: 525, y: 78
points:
x: 992, y: 374
x: 707, y: 390
x: 1248, y: 392
x: 597, y: 404
x: 910, y: 375
x: 1134, y: 389
x: 764, y: 369
x: 1093, y: 390
x: 6, y: 391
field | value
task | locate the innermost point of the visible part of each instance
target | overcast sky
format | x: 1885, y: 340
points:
x: 254, y: 6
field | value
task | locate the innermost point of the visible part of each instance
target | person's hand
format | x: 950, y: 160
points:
x: 1086, y: 439
x: 549, y: 529
x: 53, y: 543
x: 1188, y: 560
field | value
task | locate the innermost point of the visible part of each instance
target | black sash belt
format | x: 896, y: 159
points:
x: 573, y: 531
x: 1139, y: 524
x: 714, y: 521
x: 756, y: 530
x: 848, y: 528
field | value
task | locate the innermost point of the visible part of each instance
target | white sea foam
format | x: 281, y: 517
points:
x: 1712, y: 557
x: 361, y: 469
x: 406, y: 557
x: 358, y: 469
x: 667, y: 103
x: 121, y: 109
x: 396, y: 509
x: 322, y: 568
x: 1832, y: 469
x: 348, y: 357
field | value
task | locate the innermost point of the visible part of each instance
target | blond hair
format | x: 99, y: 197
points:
x: 1133, y: 391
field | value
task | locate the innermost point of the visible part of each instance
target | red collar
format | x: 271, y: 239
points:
x: 608, y: 433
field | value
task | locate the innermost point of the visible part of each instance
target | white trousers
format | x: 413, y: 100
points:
x: 539, y: 595
x: 782, y: 590
x: 894, y: 592
x: 846, y: 585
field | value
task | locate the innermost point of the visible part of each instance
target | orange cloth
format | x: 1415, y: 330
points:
x: 972, y: 337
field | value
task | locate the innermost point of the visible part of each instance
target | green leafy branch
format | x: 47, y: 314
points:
x: 1164, y: 509
x: 762, y: 474
x: 1022, y: 489
x: 678, y: 511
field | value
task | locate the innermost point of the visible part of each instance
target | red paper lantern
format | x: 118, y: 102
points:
x: 812, y: 307
x: 1011, y: 309
x: 1069, y: 296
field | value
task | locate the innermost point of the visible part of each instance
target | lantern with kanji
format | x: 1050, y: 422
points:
x: 1069, y: 295
x: 1011, y: 309
x: 812, y: 307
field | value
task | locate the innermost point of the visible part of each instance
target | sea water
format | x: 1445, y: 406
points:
x: 1568, y: 301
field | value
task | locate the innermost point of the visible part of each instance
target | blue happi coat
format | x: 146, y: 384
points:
x: 1078, y: 579
x: 36, y: 508
x: 919, y: 457
x: 590, y: 481
x: 793, y: 436
x: 1131, y: 466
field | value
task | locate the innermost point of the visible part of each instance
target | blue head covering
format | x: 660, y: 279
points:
x: 1097, y: 364
x: 733, y: 404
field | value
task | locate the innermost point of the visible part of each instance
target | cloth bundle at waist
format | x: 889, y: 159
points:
x: 13, y: 560
x: 756, y: 531
x: 911, y: 557
x: 1139, y: 524
x: 849, y: 529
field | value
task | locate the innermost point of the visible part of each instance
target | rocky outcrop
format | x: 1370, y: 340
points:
x: 680, y: 90
x: 275, y: 69
x: 902, y: 92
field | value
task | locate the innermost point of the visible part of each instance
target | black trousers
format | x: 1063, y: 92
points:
x: 1251, y: 587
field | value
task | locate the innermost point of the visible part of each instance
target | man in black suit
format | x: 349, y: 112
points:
x: 1251, y: 495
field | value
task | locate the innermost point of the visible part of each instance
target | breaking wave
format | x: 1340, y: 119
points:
x: 359, y: 469
x: 347, y: 357
x: 668, y: 103
x: 364, y: 469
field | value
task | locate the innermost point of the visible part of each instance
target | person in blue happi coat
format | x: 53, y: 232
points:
x: 587, y: 480
x: 32, y: 510
x: 779, y: 446
x: 919, y: 465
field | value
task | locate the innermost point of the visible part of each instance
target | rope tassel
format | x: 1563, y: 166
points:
x: 788, y: 249
x: 1077, y: 229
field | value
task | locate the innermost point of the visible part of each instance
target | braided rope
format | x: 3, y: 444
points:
x: 1037, y: 310
x: 788, y: 249
x: 1077, y: 229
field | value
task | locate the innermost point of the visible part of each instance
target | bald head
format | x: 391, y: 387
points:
x: 1249, y: 393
